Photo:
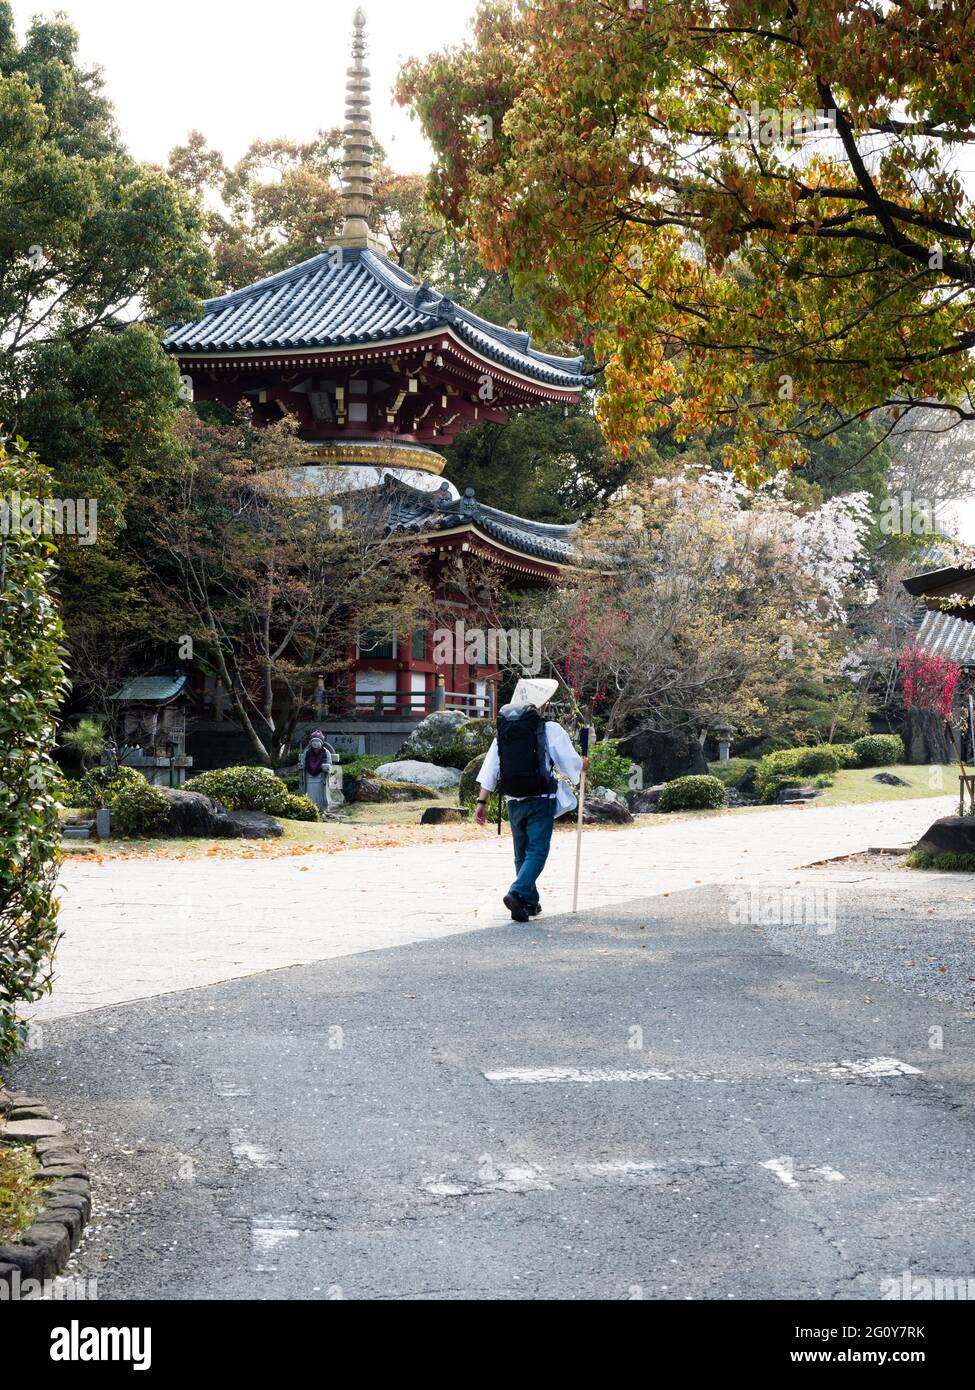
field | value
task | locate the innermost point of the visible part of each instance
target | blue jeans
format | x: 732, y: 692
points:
x: 531, y: 821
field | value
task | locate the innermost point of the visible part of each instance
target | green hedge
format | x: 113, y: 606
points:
x: 695, y: 793
x: 32, y: 685
x: 608, y: 767
x: 139, y: 810
x: 68, y: 792
x: 793, y: 767
x: 301, y: 808
x: 355, y: 764
x: 847, y: 754
x: 244, y: 789
x: 879, y: 750
x: 947, y: 863
x: 101, y: 787
x: 732, y: 770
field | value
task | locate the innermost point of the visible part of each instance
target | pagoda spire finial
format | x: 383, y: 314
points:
x: 357, y: 162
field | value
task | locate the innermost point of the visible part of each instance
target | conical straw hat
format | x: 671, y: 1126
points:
x: 534, y: 692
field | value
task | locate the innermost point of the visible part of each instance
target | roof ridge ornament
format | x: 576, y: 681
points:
x: 358, y: 151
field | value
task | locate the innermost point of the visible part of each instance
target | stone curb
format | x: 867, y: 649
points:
x: 42, y: 1250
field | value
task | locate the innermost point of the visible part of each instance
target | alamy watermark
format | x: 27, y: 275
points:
x: 784, y: 907
x: 50, y: 516
x: 68, y: 1288
x: 488, y: 646
x: 767, y: 126
x: 936, y: 1288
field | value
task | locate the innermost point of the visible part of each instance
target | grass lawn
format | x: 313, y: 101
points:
x: 853, y: 786
x: 19, y: 1197
x: 386, y: 825
x: 360, y: 827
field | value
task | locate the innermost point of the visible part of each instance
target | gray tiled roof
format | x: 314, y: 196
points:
x: 151, y: 689
x: 367, y: 299
x: 412, y: 510
x: 948, y: 636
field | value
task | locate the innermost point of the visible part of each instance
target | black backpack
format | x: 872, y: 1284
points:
x: 525, y: 765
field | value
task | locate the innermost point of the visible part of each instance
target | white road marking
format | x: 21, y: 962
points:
x: 269, y: 1237
x: 782, y: 1168
x: 829, y: 1174
x: 226, y: 1084
x: 540, y: 1076
x: 251, y: 1155
x: 621, y: 1166
x: 791, y: 1174
x: 874, y: 1066
x: 868, y: 1067
x: 524, y: 1178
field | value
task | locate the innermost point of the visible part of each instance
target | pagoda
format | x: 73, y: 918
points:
x: 378, y: 371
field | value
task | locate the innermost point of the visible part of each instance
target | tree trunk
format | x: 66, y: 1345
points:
x: 924, y: 738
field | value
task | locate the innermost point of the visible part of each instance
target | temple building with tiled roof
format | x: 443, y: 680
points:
x: 375, y: 367
x: 379, y: 372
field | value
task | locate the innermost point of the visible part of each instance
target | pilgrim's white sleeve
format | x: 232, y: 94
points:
x: 490, y: 769
x: 563, y: 755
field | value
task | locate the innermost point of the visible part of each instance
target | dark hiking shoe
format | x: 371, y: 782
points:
x: 534, y: 910
x: 517, y: 906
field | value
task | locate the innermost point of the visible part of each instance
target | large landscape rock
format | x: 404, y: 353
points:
x: 662, y: 757
x: 246, y: 825
x: 950, y: 835
x: 444, y: 815
x: 375, y: 789
x: 644, y: 802
x: 191, y: 813
x: 448, y: 738
x: 420, y: 774
x: 599, y: 812
x: 745, y: 786
x: 606, y: 794
x: 435, y: 730
x: 791, y: 796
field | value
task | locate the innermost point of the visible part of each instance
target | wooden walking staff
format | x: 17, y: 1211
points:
x: 584, y: 745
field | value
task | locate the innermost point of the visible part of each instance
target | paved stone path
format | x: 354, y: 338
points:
x: 135, y: 928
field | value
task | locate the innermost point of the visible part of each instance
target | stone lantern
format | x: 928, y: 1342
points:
x: 724, y: 733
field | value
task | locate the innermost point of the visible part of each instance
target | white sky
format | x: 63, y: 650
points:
x: 242, y: 69
x: 239, y: 70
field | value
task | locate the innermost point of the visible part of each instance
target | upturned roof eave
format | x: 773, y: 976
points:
x: 198, y: 352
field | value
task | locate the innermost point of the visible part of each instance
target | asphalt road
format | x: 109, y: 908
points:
x: 645, y: 1103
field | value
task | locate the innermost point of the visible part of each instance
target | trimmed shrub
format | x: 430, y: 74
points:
x: 99, y: 787
x: 32, y: 685
x: 823, y: 781
x: 243, y: 789
x: 355, y: 764
x: 879, y: 750
x: 793, y: 767
x: 300, y: 808
x: 694, y: 793
x: 732, y: 770
x: 847, y: 754
x: 607, y: 766
x: 68, y: 792
x: 139, y: 810
x: 946, y: 863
